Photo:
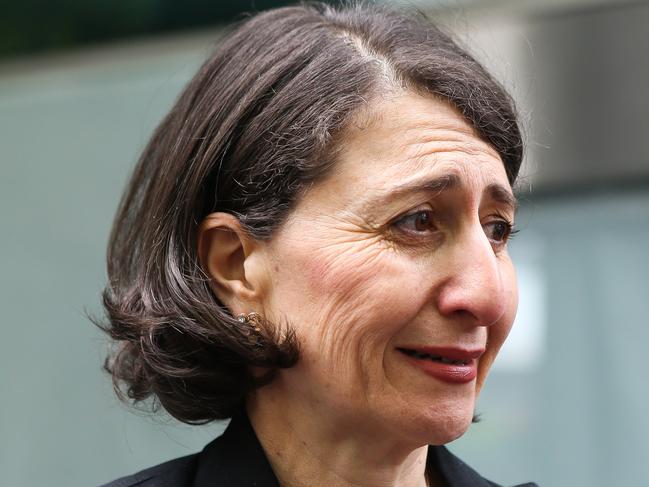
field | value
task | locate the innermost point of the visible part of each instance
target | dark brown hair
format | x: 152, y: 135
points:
x: 258, y: 123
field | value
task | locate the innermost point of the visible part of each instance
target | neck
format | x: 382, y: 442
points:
x: 311, y: 447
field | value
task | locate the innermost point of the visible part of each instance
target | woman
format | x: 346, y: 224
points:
x: 314, y: 243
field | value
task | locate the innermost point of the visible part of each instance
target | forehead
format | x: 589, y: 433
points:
x: 407, y: 138
x: 400, y: 148
x: 405, y: 128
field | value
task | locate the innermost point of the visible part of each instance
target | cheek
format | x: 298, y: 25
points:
x: 354, y: 299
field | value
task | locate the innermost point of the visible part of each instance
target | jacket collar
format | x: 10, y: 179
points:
x: 454, y: 471
x: 236, y: 459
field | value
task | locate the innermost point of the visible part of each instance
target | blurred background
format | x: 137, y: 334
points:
x: 82, y: 85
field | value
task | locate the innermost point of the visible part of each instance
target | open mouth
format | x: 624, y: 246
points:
x: 452, y: 365
x: 434, y: 358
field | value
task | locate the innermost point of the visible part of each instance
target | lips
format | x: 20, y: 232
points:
x: 448, y: 364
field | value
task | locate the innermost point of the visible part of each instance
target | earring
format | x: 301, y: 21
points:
x: 251, y: 319
x: 253, y: 326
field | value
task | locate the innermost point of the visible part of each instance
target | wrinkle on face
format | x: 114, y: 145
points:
x: 434, y: 145
x: 411, y: 156
x: 347, y: 268
x: 353, y: 294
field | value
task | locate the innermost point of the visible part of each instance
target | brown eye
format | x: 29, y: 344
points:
x: 418, y: 222
x: 498, y: 231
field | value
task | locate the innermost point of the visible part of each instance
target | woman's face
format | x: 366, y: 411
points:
x: 395, y: 275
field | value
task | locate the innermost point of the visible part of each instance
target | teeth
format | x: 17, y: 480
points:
x: 435, y: 358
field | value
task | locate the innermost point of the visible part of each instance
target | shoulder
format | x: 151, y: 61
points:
x: 235, y: 458
x: 178, y: 472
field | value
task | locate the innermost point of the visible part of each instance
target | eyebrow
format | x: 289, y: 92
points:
x: 436, y: 185
x: 501, y: 194
x: 447, y: 182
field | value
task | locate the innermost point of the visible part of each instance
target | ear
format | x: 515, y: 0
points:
x: 227, y: 254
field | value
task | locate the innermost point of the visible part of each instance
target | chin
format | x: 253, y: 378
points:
x: 438, y: 425
x: 450, y: 416
x: 449, y: 428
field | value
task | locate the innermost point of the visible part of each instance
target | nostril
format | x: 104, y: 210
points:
x: 474, y: 302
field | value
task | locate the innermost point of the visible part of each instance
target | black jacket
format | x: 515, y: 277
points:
x: 236, y: 459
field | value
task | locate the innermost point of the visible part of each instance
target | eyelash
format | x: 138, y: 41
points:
x: 508, y: 234
x: 412, y: 216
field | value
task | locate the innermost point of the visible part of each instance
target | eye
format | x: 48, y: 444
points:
x: 499, y: 231
x: 420, y: 221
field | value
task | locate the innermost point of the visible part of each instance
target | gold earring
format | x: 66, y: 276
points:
x: 251, y: 328
x: 252, y: 319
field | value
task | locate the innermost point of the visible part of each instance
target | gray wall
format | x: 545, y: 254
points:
x: 70, y: 131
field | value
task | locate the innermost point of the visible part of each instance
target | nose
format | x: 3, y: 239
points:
x: 474, y: 286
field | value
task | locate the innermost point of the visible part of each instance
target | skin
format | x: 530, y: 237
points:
x: 371, y: 259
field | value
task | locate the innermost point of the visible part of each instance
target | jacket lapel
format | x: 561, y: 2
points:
x: 235, y: 459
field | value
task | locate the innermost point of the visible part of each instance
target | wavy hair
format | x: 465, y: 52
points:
x: 258, y: 123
